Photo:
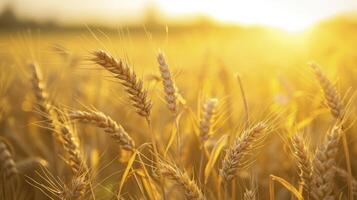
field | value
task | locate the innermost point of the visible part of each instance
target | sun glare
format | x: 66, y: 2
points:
x: 287, y: 23
x: 286, y: 16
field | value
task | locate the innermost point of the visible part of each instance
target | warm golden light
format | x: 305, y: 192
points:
x: 178, y: 99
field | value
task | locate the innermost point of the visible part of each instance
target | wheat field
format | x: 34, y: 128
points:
x: 214, y: 113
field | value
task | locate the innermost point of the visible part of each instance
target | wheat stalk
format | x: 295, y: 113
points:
x: 303, y: 158
x: 208, y: 115
x: 237, y: 152
x: 132, y: 84
x: 323, y: 165
x: 192, y: 191
x: 101, y: 120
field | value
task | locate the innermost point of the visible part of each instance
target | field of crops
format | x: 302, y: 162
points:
x: 213, y: 113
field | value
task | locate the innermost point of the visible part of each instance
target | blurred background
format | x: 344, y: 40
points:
x: 303, y: 29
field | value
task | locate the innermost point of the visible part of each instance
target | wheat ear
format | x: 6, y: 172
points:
x: 76, y: 189
x: 9, y: 187
x: 7, y: 164
x: 101, y: 120
x: 332, y: 97
x: 70, y: 145
x: 44, y: 106
x: 192, y: 191
x: 208, y: 115
x: 237, y: 152
x: 41, y: 95
x: 168, y: 83
x: 323, y: 165
x: 80, y: 181
x: 132, y: 84
x: 337, y: 109
x: 303, y: 158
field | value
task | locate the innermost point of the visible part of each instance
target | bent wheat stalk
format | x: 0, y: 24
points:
x: 133, y: 86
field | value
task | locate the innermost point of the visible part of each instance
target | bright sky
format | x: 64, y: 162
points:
x: 286, y: 14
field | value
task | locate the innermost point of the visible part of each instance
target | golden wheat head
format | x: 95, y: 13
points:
x: 101, y: 120
x: 132, y: 84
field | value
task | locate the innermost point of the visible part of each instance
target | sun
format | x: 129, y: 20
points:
x: 282, y: 19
